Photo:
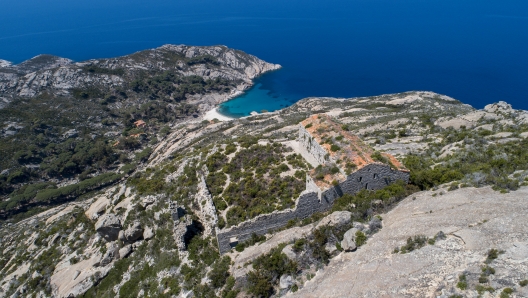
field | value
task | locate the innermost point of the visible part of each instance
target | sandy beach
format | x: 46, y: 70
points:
x: 213, y: 114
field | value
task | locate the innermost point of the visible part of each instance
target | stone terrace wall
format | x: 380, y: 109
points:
x: 307, y: 204
x: 373, y: 176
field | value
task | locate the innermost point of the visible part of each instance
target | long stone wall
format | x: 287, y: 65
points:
x: 373, y: 177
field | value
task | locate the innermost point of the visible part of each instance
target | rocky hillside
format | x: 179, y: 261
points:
x: 65, y: 122
x: 457, y: 230
x: 469, y: 242
x: 113, y: 185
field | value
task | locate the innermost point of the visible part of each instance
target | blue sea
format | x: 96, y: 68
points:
x: 474, y: 51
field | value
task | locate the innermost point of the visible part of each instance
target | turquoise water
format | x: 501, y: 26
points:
x: 263, y: 96
x: 474, y: 51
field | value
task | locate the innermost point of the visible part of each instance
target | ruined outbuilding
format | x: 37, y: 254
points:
x: 346, y: 166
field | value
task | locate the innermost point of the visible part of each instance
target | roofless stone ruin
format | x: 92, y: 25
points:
x: 346, y: 165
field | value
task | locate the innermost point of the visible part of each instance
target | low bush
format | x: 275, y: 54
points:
x: 360, y: 238
x: 462, y: 282
x: 267, y: 269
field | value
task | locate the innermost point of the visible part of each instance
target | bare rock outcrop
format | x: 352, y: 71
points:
x: 500, y: 106
x: 473, y: 220
x: 97, y: 208
x: 131, y: 234
x: 349, y: 240
x: 288, y: 251
x: 148, y: 233
x: 285, y: 281
x: 336, y: 219
x: 125, y: 251
x: 108, y: 226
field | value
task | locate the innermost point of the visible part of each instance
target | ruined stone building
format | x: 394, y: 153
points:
x: 346, y: 166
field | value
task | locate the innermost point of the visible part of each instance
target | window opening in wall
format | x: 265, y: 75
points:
x: 366, y: 185
x: 233, y: 241
x: 360, y: 178
x: 375, y: 176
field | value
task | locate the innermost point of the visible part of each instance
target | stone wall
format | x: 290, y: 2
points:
x: 308, y: 143
x: 373, y: 176
x: 307, y: 204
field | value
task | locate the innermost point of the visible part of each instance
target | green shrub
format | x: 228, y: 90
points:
x: 230, y: 148
x: 481, y: 289
x: 462, y: 282
x: 220, y: 272
x: 128, y: 168
x: 453, y: 186
x: 360, y: 238
x: 73, y: 190
x: 298, y: 246
x: 267, y: 270
x: 360, y: 203
x: 487, y: 270
x: 294, y: 288
x: 492, y: 255
x: 523, y: 283
x: 507, y: 291
x: 413, y: 243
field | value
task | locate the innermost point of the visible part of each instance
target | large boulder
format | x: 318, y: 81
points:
x: 131, y: 234
x: 286, y: 281
x: 112, y: 253
x: 148, y: 200
x: 288, y: 251
x: 349, y: 240
x: 125, y: 251
x: 358, y: 226
x: 97, y: 208
x: 108, y: 226
x: 148, y: 234
x: 374, y: 224
x: 336, y: 219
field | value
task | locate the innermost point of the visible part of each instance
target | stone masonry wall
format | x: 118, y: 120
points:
x: 373, y: 177
x: 309, y: 144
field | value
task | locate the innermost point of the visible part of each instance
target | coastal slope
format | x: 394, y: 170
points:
x: 120, y: 191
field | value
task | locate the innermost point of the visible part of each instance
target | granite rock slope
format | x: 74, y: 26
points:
x: 474, y: 221
x: 57, y: 251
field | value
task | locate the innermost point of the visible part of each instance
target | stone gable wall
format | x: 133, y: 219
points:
x: 309, y: 144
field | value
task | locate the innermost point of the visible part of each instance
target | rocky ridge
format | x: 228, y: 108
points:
x: 60, y: 75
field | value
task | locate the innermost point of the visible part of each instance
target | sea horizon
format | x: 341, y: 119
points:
x: 471, y: 51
